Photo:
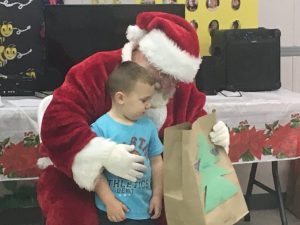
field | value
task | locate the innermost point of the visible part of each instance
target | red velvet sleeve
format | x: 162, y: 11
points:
x: 75, y: 105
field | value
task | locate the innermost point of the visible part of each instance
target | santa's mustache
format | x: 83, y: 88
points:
x: 160, y: 98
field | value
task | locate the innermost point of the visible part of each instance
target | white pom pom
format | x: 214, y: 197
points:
x: 134, y: 33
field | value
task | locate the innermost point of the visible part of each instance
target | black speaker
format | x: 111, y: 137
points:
x: 207, y: 79
x: 248, y: 59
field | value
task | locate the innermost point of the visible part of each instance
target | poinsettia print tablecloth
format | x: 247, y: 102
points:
x: 19, y: 140
x: 264, y: 126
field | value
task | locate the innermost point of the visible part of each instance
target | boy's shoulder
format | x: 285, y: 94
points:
x: 147, y: 120
x: 104, y: 118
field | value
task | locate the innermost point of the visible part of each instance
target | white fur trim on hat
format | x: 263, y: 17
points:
x: 88, y: 163
x: 127, y: 51
x: 165, y: 55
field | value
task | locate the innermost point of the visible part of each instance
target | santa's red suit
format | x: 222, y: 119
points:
x: 170, y: 44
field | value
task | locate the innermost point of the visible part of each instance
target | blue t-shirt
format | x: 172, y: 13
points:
x: 143, y: 135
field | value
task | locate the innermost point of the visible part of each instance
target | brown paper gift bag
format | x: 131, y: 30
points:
x: 200, y: 184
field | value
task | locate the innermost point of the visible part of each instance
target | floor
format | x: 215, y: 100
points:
x: 269, y: 217
x: 258, y: 217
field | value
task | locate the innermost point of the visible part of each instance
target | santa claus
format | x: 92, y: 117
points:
x: 165, y: 44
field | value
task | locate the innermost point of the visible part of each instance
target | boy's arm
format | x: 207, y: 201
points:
x: 157, y: 186
x: 103, y: 190
x: 115, y: 209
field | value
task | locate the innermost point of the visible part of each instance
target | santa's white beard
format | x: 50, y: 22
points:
x: 158, y: 110
x: 158, y: 100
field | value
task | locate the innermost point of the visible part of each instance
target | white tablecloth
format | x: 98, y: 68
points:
x: 254, y: 109
x: 265, y: 112
x: 18, y: 137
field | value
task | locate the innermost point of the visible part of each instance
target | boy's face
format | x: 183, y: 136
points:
x: 167, y: 83
x: 137, y: 101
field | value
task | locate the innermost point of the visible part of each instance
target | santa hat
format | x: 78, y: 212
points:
x: 169, y: 42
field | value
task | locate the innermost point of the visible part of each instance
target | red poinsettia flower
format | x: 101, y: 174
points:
x: 246, y: 140
x: 238, y: 145
x: 285, y: 140
x: 19, y: 160
x: 257, y: 142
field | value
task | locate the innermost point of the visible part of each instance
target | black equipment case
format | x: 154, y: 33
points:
x: 242, y: 60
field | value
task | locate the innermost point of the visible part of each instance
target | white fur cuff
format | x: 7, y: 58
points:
x: 88, y: 163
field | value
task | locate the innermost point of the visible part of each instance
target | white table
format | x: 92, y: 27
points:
x: 263, y: 113
x: 18, y: 137
x: 260, y: 111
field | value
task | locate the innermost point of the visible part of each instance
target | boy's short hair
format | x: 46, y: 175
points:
x: 126, y: 75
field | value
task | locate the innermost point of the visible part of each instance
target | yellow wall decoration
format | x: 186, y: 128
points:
x: 245, y: 16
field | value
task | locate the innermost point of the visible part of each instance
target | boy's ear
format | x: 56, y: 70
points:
x: 119, y: 97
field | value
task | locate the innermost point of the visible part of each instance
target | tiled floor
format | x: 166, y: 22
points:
x: 269, y: 217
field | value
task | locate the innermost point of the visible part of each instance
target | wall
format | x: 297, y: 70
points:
x: 284, y: 15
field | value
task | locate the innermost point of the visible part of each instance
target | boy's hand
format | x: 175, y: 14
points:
x: 116, y: 211
x: 155, y: 207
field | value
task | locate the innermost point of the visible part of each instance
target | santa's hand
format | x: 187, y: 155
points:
x: 220, y: 135
x: 124, y: 164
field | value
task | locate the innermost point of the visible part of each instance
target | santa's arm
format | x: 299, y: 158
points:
x: 187, y: 106
x: 66, y: 134
x: 194, y: 109
x: 90, y: 161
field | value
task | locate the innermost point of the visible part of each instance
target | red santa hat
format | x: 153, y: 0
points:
x: 169, y: 42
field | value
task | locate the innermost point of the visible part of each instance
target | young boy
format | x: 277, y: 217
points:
x: 121, y: 201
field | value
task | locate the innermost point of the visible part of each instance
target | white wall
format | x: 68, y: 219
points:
x: 284, y: 15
